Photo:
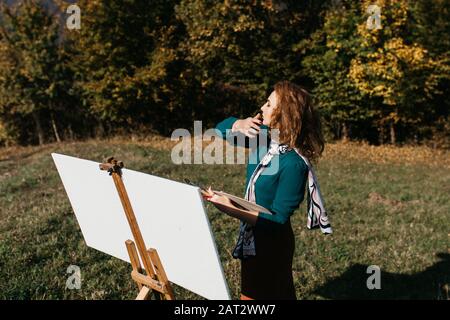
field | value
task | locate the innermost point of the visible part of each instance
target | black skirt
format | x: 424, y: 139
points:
x: 268, y: 275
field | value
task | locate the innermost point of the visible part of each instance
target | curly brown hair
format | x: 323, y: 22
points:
x: 298, y: 121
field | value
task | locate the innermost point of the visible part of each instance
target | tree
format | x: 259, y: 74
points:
x: 330, y: 51
x: 128, y: 67
x: 390, y: 66
x: 429, y: 21
x: 241, y: 48
x: 34, y: 74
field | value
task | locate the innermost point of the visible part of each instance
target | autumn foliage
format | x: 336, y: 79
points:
x: 138, y: 67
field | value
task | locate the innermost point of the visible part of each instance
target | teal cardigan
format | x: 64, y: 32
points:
x: 281, y: 192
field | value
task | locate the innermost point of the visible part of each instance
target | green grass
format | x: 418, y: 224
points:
x: 394, y: 214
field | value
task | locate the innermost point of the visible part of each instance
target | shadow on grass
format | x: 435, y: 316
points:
x: 432, y: 283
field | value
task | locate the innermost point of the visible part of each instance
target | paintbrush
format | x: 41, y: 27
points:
x: 195, y: 184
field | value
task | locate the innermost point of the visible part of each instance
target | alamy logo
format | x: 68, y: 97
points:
x: 374, y: 281
x: 374, y: 19
x: 74, y: 20
x: 74, y: 280
x: 213, y: 152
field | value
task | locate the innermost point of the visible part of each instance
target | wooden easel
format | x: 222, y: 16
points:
x: 155, y: 280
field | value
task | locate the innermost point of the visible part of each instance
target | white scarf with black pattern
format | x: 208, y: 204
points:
x: 316, y: 216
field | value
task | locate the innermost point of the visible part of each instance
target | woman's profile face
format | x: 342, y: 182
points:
x: 268, y: 108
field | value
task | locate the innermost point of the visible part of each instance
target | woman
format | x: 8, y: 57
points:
x: 266, y: 241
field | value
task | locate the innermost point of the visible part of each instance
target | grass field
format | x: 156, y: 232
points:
x: 389, y: 207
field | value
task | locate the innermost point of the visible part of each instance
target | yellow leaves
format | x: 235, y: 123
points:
x: 115, y: 92
x: 206, y: 83
x: 382, y: 71
x: 331, y: 43
x: 234, y: 49
x: 205, y: 33
x: 413, y: 55
x: 246, y: 22
x: 139, y: 94
x: 379, y: 88
x: 3, y: 132
x: 394, y: 116
x: 356, y: 70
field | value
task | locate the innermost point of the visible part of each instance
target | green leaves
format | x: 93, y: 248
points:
x: 160, y: 65
x: 34, y: 74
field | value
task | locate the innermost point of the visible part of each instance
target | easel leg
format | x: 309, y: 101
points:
x: 134, y: 259
x: 143, y: 294
x: 161, y: 274
x: 136, y: 266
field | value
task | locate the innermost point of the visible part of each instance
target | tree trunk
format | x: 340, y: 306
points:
x: 100, y: 131
x: 71, y: 135
x: 345, y: 135
x: 39, y: 131
x: 392, y: 132
x: 55, y: 128
x: 381, y: 133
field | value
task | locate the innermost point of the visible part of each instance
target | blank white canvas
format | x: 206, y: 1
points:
x: 170, y: 214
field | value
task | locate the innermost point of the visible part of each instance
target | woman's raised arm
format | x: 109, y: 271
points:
x: 239, y: 131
